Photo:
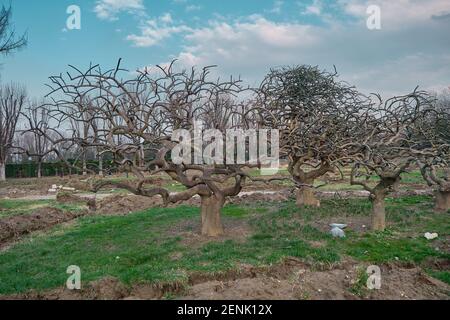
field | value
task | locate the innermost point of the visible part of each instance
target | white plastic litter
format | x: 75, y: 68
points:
x: 56, y: 188
x: 337, y: 233
x: 430, y: 236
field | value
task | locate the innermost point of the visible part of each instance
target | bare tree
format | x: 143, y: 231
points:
x: 38, y: 145
x: 8, y: 39
x: 389, y: 148
x: 430, y: 167
x: 433, y: 157
x: 140, y: 116
x: 12, y: 99
x: 317, y: 116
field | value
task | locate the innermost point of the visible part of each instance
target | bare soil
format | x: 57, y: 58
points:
x: 67, y: 197
x: 124, y: 204
x: 290, y: 280
x: 190, y: 232
x: 335, y: 284
x: 12, y: 228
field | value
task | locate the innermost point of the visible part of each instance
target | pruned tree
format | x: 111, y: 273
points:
x: 9, y: 41
x: 157, y: 114
x: 433, y: 157
x: 434, y: 169
x: 37, y: 144
x: 318, y: 117
x: 12, y: 100
x: 389, y: 148
x: 80, y: 124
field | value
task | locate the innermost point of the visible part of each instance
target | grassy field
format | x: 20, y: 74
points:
x: 11, y: 207
x: 162, y: 245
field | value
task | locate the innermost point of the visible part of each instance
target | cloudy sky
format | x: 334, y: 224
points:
x: 242, y: 37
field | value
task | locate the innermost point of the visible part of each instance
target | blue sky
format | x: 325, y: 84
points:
x: 244, y: 37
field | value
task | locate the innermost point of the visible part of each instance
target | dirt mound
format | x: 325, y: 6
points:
x: 265, y: 196
x: 290, y: 280
x: 41, y: 219
x: 68, y: 197
x: 108, y: 288
x: 125, y: 204
x: 263, y: 186
x: 14, y: 193
x: 78, y: 184
x: 335, y: 284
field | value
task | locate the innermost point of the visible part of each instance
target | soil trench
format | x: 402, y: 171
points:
x: 14, y: 227
x: 290, y: 280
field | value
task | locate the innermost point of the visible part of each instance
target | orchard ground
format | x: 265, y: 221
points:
x: 132, y: 248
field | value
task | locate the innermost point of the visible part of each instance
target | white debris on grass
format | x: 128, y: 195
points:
x: 56, y: 188
x: 337, y: 233
x: 430, y: 236
x: 336, y: 230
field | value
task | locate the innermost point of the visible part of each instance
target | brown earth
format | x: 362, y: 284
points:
x: 191, y: 236
x: 124, y: 204
x: 296, y: 280
x: 290, y: 280
x: 13, y: 227
x: 68, y: 197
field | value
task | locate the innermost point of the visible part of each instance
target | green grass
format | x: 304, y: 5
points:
x: 10, y: 207
x: 444, y: 276
x: 141, y: 247
x: 359, y: 288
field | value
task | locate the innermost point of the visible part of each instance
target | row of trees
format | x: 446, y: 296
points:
x: 325, y: 126
x: 12, y: 97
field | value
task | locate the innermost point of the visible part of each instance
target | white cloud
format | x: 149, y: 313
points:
x: 156, y: 30
x: 411, y: 49
x: 166, y: 18
x: 403, y: 74
x: 108, y: 9
x: 386, y: 61
x: 315, y: 8
x: 398, y: 13
x: 245, y: 44
x: 277, y: 6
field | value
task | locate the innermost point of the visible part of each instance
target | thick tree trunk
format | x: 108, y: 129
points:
x: 307, y: 197
x: 378, y: 214
x: 442, y: 201
x: 2, y: 171
x: 210, y: 209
